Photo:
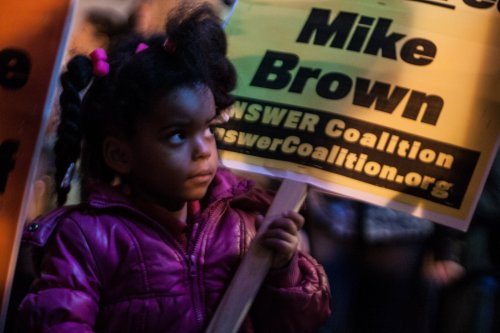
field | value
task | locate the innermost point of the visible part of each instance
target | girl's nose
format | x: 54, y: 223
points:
x: 202, y: 147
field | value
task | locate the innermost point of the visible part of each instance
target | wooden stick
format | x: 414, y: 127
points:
x: 255, y: 265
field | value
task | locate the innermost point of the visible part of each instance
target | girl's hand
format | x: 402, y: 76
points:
x: 282, y: 236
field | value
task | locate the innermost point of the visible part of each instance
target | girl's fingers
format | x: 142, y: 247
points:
x: 296, y: 217
x: 282, y: 243
x: 279, y: 235
x: 285, y: 224
x: 290, y: 220
x: 283, y: 249
x: 282, y: 237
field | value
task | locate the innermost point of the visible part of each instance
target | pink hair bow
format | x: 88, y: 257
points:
x: 100, y: 65
x: 141, y: 47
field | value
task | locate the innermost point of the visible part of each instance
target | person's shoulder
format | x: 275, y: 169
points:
x: 39, y: 231
x: 250, y: 194
x: 227, y: 184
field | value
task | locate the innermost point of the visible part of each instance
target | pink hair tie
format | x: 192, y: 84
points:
x: 141, y: 47
x: 100, y: 65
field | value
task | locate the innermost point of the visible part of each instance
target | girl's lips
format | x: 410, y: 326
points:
x: 201, y: 176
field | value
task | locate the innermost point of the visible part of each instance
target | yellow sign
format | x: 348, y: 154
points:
x: 31, y: 50
x: 390, y: 102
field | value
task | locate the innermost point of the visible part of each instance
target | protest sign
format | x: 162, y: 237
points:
x: 31, y: 47
x: 391, y: 102
x: 394, y: 103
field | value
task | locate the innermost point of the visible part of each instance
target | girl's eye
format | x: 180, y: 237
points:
x: 210, y: 130
x: 176, y: 138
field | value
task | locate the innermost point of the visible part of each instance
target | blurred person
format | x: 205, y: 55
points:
x: 148, y: 16
x: 472, y: 304
x: 374, y: 254
x: 98, y: 27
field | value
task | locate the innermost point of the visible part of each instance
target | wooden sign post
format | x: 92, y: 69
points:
x: 255, y: 265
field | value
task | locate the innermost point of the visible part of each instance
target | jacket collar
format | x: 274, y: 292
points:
x: 225, y: 185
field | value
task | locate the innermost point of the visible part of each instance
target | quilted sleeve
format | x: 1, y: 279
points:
x: 293, y: 299
x: 65, y: 296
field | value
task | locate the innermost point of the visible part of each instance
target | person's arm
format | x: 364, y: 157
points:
x: 295, y: 298
x: 65, y: 296
x: 444, y: 265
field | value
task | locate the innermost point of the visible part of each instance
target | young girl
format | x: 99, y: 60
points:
x: 162, y: 227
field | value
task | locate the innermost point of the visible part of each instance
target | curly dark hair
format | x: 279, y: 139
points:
x: 113, y: 103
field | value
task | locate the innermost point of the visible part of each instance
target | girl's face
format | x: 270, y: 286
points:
x: 174, y: 156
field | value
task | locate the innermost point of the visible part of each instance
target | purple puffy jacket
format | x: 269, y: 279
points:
x: 106, y: 266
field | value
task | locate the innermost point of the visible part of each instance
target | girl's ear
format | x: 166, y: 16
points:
x: 117, y: 155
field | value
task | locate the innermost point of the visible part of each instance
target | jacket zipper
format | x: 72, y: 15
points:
x: 216, y: 209
x: 193, y: 248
